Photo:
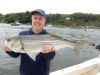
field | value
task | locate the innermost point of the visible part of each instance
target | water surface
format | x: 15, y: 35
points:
x: 63, y: 59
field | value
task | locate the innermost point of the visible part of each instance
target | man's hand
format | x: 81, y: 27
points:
x: 46, y: 48
x: 6, y: 49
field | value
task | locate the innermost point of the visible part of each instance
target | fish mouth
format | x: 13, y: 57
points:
x: 3, y: 42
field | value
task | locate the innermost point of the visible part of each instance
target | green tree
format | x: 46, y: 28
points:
x: 1, y: 17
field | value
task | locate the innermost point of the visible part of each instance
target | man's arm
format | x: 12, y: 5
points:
x: 48, y: 56
x: 48, y: 52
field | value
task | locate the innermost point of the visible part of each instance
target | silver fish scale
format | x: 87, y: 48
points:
x: 39, y: 37
x: 36, y: 44
x: 41, y: 40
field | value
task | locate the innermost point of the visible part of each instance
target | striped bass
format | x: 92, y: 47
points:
x: 32, y: 44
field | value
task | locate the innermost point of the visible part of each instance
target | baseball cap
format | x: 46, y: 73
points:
x: 42, y: 12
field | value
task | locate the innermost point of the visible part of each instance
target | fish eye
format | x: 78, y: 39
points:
x: 8, y: 39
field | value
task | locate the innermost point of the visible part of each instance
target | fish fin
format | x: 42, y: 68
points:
x: 61, y: 51
x: 33, y: 56
x: 78, y: 48
x: 55, y: 33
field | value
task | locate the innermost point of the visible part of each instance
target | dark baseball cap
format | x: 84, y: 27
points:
x: 42, y: 12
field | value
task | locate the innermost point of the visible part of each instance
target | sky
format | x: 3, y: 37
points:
x: 50, y: 6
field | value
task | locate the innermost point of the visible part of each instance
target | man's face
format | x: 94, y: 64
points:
x: 38, y: 21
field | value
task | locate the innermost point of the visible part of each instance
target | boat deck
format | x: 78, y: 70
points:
x: 90, y: 67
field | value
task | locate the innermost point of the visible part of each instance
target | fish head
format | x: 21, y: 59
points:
x: 13, y: 43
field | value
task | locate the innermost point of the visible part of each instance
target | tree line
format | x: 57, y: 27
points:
x: 75, y: 19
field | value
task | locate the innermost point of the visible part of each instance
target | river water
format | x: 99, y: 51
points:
x: 63, y: 59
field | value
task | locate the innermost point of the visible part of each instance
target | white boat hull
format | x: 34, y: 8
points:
x: 89, y: 29
x: 90, y: 67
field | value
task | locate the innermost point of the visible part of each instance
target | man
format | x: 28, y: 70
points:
x: 96, y: 46
x: 41, y: 65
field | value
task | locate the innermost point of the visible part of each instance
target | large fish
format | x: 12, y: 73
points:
x: 32, y: 44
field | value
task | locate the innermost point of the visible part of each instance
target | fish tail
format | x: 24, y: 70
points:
x: 78, y: 48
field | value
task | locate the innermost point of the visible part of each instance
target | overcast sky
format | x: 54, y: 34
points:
x: 50, y: 6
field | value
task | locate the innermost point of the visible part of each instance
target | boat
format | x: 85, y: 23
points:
x: 49, y: 25
x: 16, y: 23
x: 89, y: 67
x: 89, y: 28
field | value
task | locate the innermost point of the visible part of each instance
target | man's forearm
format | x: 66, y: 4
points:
x: 13, y: 54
